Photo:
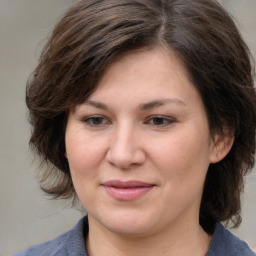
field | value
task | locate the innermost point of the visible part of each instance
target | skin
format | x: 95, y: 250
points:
x: 147, y: 122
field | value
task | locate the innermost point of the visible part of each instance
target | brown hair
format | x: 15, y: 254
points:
x: 93, y: 33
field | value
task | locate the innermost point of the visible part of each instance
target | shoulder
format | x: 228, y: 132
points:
x: 224, y: 243
x: 70, y: 243
x: 52, y: 247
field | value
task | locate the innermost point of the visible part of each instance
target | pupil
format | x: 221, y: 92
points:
x: 97, y: 120
x: 158, y: 120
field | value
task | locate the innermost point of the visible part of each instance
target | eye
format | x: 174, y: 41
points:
x: 95, y: 121
x: 160, y: 121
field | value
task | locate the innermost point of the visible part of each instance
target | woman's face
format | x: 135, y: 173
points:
x: 139, y: 147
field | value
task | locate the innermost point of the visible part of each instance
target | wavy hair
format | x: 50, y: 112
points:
x: 93, y: 33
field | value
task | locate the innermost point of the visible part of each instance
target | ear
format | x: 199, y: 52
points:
x: 221, y: 145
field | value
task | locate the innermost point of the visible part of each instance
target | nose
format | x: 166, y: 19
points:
x: 125, y: 149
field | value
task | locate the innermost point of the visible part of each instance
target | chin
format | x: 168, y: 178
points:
x: 128, y: 223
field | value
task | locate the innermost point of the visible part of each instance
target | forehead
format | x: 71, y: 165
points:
x: 144, y: 73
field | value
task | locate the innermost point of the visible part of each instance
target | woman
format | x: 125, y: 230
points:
x: 146, y: 112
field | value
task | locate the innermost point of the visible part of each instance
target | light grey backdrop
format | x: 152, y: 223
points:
x: 26, y: 217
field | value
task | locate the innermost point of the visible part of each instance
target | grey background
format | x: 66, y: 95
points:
x: 26, y: 216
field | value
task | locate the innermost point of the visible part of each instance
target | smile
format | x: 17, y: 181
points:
x: 127, y: 191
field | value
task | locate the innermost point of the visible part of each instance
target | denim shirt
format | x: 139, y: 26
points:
x: 223, y: 243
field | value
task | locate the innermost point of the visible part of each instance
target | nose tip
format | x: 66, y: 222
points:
x: 124, y: 161
x: 125, y: 153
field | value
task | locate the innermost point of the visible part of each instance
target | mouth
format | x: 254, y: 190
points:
x: 128, y: 190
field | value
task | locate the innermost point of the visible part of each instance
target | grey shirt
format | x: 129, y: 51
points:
x: 223, y: 243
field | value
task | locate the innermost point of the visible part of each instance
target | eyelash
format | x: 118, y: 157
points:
x: 90, y: 121
x: 166, y: 120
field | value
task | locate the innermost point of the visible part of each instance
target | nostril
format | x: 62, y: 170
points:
x: 125, y: 159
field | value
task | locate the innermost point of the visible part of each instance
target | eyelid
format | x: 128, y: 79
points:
x: 89, y: 119
x: 166, y: 120
x: 169, y: 120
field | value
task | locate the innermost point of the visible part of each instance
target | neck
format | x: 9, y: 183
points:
x: 187, y: 240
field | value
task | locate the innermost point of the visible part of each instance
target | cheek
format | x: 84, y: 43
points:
x: 183, y: 166
x: 183, y: 158
x: 84, y: 157
x: 84, y: 154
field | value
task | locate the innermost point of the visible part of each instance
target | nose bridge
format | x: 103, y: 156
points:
x: 125, y: 149
x: 123, y: 140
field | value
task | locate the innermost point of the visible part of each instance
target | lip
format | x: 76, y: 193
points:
x: 127, y: 190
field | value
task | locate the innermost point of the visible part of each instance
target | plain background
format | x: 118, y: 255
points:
x: 26, y: 216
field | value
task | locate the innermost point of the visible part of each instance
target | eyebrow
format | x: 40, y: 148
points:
x: 96, y: 104
x: 158, y: 103
x: 144, y: 106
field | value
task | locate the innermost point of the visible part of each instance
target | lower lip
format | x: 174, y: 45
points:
x: 127, y: 194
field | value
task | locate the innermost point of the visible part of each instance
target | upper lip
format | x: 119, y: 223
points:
x: 126, y: 184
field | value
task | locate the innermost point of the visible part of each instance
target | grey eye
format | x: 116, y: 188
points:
x: 95, y: 120
x: 160, y: 120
